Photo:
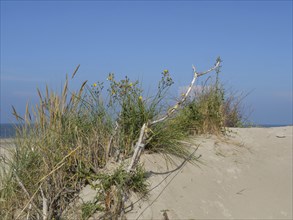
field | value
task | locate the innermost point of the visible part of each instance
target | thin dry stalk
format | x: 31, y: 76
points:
x: 108, y: 150
x: 29, y: 202
x: 41, y: 181
x: 45, y: 205
x: 59, y: 165
x: 75, y: 71
x: 26, y: 192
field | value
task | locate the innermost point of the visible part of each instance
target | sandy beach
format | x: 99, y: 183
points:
x: 6, y: 144
x: 245, y: 176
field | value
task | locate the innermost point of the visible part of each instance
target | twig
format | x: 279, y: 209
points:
x: 26, y: 192
x: 138, y: 147
x: 45, y: 205
x: 211, y: 69
x: 28, y: 213
x: 186, y: 94
x: 59, y: 165
x: 29, y: 202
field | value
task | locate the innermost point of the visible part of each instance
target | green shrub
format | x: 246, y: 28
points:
x: 135, y: 110
x: 233, y: 110
x: 124, y: 181
x: 211, y: 110
x: 67, y: 138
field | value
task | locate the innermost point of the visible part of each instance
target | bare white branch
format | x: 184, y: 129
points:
x: 211, y: 69
x: 143, y: 131
x: 138, y: 147
x: 186, y: 94
x: 45, y: 205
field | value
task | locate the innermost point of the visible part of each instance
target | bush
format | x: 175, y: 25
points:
x: 135, y: 110
x: 211, y: 110
x: 66, y: 137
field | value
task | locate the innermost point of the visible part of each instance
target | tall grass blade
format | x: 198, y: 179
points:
x: 75, y: 71
x: 16, y: 115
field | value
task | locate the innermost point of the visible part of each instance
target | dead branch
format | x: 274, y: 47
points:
x: 138, y: 147
x: 144, y: 129
x: 45, y: 205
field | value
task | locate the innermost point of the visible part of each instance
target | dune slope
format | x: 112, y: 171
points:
x: 245, y: 176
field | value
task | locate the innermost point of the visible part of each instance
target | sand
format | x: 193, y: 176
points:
x: 6, y: 144
x: 245, y: 176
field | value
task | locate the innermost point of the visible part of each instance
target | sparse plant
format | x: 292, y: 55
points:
x: 124, y: 181
x: 88, y: 209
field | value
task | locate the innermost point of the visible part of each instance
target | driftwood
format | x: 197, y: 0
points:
x: 143, y: 136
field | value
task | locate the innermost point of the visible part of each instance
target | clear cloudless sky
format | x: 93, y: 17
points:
x: 41, y: 41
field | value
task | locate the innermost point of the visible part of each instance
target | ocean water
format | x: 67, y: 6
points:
x: 270, y: 125
x: 7, y: 130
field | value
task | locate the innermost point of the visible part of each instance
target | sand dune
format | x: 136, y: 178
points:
x: 245, y: 176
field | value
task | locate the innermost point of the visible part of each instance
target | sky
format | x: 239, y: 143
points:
x: 42, y: 41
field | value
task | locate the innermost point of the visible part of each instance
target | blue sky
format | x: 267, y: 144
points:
x: 42, y: 41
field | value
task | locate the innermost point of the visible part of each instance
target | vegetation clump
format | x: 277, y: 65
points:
x: 211, y: 110
x: 68, y: 140
x: 112, y: 189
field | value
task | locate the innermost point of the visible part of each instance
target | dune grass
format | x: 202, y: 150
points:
x: 212, y: 109
x: 73, y: 133
x: 69, y: 138
x: 58, y: 139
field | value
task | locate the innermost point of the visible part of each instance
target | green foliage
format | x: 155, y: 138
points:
x: 166, y: 136
x: 69, y: 138
x: 211, y: 110
x: 135, y: 110
x: 65, y: 140
x: 111, y: 187
x: 125, y: 181
x: 127, y: 97
x: 88, y: 209
x: 233, y: 110
x: 59, y: 139
x: 7, y: 193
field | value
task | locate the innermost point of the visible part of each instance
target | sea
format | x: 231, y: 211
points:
x: 9, y: 130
